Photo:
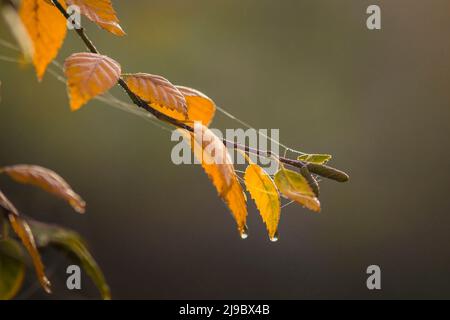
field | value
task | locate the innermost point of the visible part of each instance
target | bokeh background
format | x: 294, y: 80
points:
x: 377, y: 100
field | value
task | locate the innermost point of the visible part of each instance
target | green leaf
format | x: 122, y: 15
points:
x: 73, y: 244
x: 12, y: 268
x: 295, y: 187
x: 315, y: 158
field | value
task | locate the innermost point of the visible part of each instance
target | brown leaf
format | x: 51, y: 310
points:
x: 23, y: 231
x: 47, y: 30
x: 157, y: 91
x: 89, y: 75
x: 101, y: 12
x: 47, y: 180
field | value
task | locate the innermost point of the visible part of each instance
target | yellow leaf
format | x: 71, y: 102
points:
x: 101, y: 12
x: 263, y: 190
x: 89, y: 75
x: 218, y: 165
x: 47, y: 180
x: 315, y: 158
x: 23, y: 231
x: 47, y: 30
x: 295, y: 187
x: 157, y: 92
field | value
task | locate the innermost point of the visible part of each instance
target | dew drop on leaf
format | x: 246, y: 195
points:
x: 244, y: 233
x: 274, y: 238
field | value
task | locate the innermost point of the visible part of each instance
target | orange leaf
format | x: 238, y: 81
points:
x: 23, y: 231
x: 263, y: 190
x: 236, y: 201
x: 89, y: 75
x: 101, y: 12
x: 200, y: 107
x: 47, y: 30
x: 157, y: 91
x: 218, y: 165
x: 47, y: 180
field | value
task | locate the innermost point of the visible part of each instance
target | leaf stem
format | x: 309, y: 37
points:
x: 161, y: 116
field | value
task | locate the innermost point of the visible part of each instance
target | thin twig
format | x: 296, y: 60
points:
x: 161, y: 116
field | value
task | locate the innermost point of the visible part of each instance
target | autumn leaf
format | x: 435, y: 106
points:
x: 157, y: 92
x: 89, y: 75
x: 12, y: 268
x: 236, y: 201
x: 47, y: 30
x: 200, y: 107
x: 101, y: 12
x: 23, y: 231
x: 47, y: 180
x: 295, y: 187
x: 315, y: 158
x: 218, y: 165
x: 71, y: 243
x: 263, y: 190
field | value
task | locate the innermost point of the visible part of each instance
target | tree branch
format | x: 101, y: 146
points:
x: 134, y: 98
x: 321, y: 170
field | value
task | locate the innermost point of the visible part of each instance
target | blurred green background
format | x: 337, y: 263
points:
x: 377, y: 100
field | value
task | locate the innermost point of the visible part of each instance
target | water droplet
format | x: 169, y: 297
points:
x: 244, y: 233
x: 275, y: 237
